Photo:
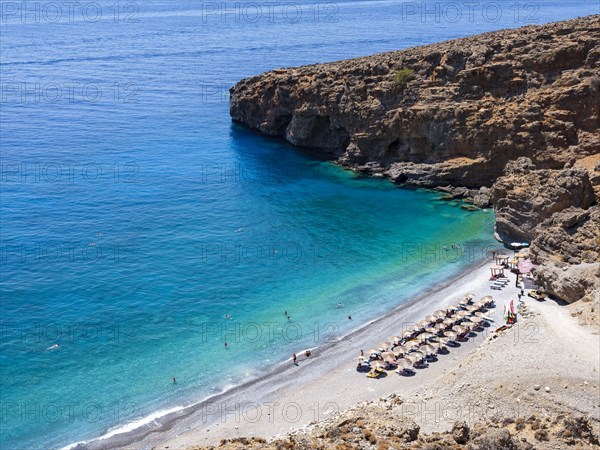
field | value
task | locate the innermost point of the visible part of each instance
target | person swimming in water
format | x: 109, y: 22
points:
x: 52, y: 347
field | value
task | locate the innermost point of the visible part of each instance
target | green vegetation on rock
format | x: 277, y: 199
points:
x: 403, y: 76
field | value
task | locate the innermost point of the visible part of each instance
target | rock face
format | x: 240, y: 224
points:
x: 510, y: 119
x: 467, y: 108
x: 567, y: 247
x: 524, y: 197
x: 383, y: 425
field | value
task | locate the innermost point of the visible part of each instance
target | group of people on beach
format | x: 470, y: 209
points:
x: 307, y: 353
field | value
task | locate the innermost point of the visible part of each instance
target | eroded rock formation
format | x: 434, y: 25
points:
x: 509, y: 119
x: 384, y: 424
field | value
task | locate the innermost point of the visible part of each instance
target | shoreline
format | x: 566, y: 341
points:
x: 155, y: 430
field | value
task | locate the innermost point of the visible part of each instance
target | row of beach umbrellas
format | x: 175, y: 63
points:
x: 414, y: 344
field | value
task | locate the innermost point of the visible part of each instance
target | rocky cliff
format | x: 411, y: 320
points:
x: 509, y: 118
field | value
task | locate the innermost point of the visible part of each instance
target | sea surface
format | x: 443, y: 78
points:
x: 141, y: 229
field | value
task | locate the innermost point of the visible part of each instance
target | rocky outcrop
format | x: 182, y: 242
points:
x: 509, y: 119
x: 567, y: 249
x: 464, y: 110
x: 524, y: 197
x: 384, y: 425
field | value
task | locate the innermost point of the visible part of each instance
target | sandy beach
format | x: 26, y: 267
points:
x: 488, y: 374
x: 327, y: 382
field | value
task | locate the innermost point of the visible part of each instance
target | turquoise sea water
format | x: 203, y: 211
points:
x: 135, y: 216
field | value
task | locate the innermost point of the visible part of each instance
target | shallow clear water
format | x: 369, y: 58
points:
x: 135, y: 215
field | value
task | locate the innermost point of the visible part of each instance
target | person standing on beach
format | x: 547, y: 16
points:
x: 522, y: 286
x: 294, y: 358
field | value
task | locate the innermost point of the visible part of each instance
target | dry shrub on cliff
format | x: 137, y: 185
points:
x: 402, y: 77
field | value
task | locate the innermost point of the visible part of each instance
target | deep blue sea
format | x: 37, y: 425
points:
x: 135, y: 216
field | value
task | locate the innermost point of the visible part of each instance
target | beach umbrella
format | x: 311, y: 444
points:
x: 450, y: 334
x: 373, y: 352
x: 406, y: 334
x: 477, y: 320
x: 440, y: 314
x: 463, y: 302
x: 394, y: 339
x: 422, y: 324
x: 472, y: 308
x: 409, y: 333
x: 443, y: 342
x: 480, y: 304
x: 432, y: 330
x: 449, y: 321
x: 399, y: 350
x: 385, y: 345
x: 468, y: 324
x: 431, y: 318
x: 459, y: 329
x: 386, y: 354
x: 487, y: 299
x: 440, y: 326
x: 411, y: 329
x: 470, y: 296
x: 417, y: 355
x: 404, y: 363
x: 427, y: 349
x: 412, y: 344
x: 390, y: 359
x: 377, y: 363
x: 453, y: 307
x: 425, y: 336
x: 525, y: 266
x: 413, y: 359
x: 463, y: 314
x: 440, y: 345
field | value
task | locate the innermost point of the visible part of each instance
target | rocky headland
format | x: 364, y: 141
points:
x: 509, y: 119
